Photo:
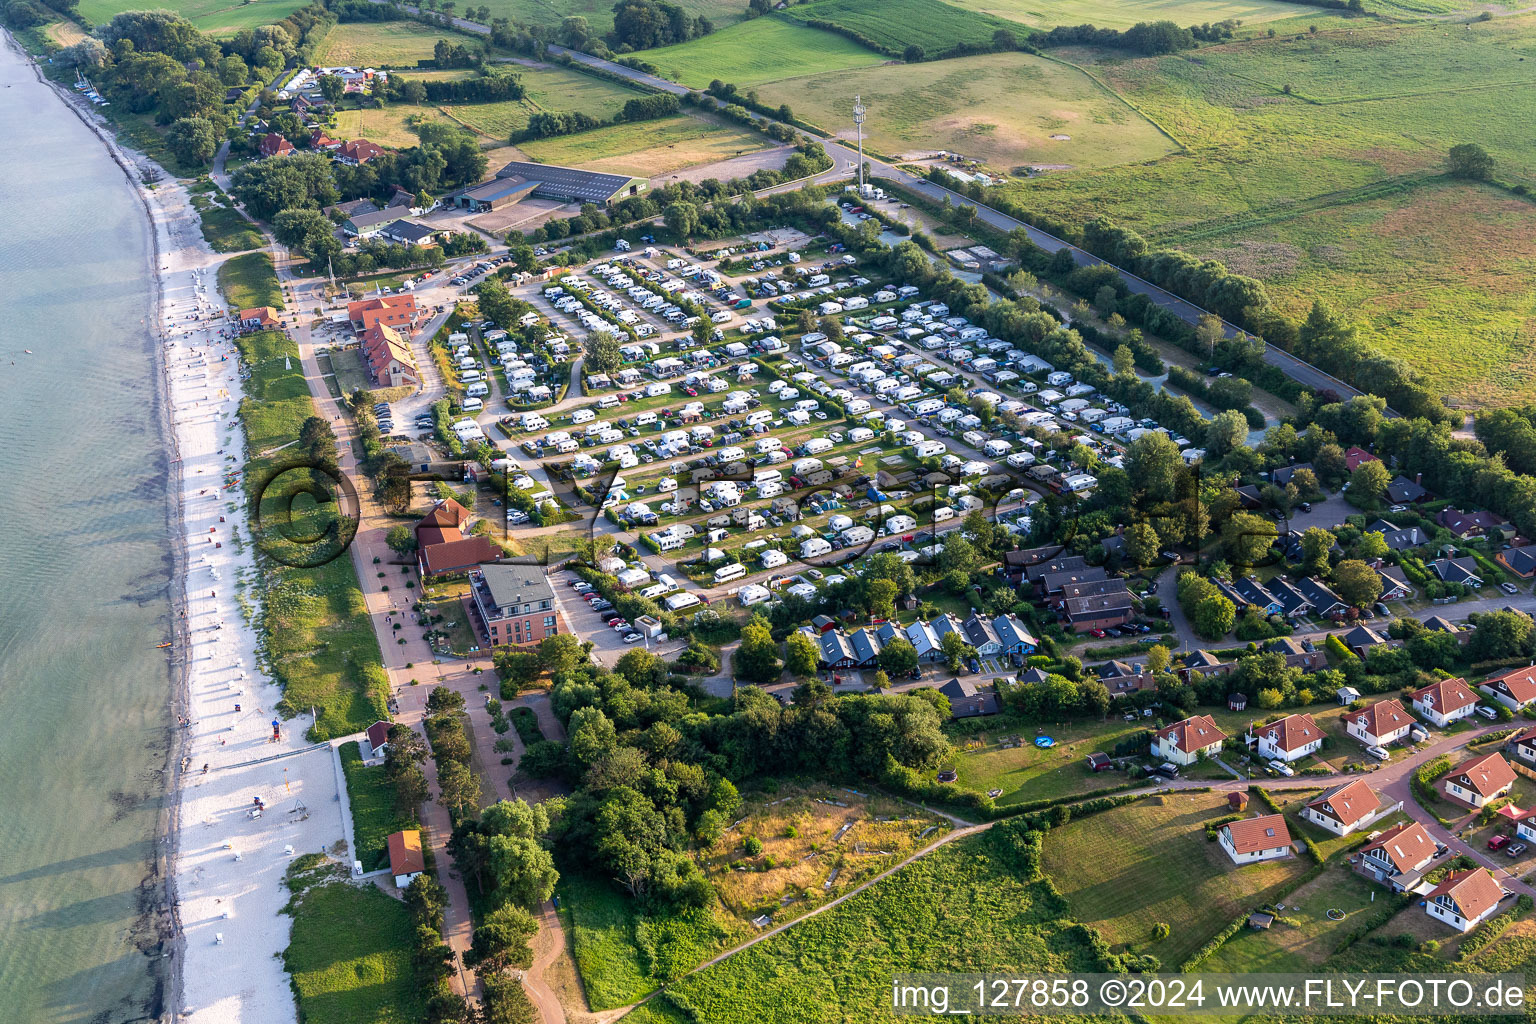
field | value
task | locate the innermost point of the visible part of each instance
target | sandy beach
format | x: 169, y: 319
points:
x: 250, y: 792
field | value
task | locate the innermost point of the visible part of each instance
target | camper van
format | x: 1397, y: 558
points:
x: 533, y: 421
x: 567, y: 446
x: 815, y: 446
x: 769, y: 444
x: 813, y: 547
x: 587, y: 415
x: 726, y: 573
x: 858, y: 535
x: 477, y: 390
x: 606, y: 402
x: 677, y: 602
x: 645, y: 419
x: 900, y: 524
x: 943, y: 514
x: 860, y: 434
x: 760, y: 416
x: 927, y: 407
x: 929, y: 447
x: 770, y: 489
x: 763, y: 476
x: 472, y: 405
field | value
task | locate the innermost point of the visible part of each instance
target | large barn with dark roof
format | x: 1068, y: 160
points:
x: 520, y: 179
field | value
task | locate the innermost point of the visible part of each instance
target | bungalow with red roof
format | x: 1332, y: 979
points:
x: 1290, y: 739
x: 1520, y: 560
x: 273, y: 144
x: 375, y: 740
x: 1465, y: 899
x: 1355, y: 457
x: 1523, y: 748
x: 1444, y: 702
x: 1515, y: 689
x: 456, y: 556
x: 259, y: 318
x: 319, y: 140
x: 1255, y: 839
x: 1378, y: 724
x: 1478, y: 780
x: 1474, y: 524
x: 1345, y: 808
x: 1184, y: 742
x: 406, y: 860
x: 1398, y: 857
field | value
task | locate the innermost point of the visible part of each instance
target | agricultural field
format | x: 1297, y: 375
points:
x: 894, y: 25
x: 387, y: 126
x: 393, y: 44
x: 63, y: 33
x: 648, y: 149
x: 759, y: 51
x: 1335, y: 190
x: 816, y: 843
x: 1131, y: 868
x: 957, y: 909
x: 599, y: 13
x: 216, y: 17
x: 1004, y: 109
x: 1125, y: 13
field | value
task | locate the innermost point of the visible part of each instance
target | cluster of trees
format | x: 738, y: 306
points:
x: 1148, y: 38
x: 432, y: 959
x: 519, y: 668
x: 492, y: 85
x: 458, y: 785
x: 547, y: 123
x: 643, y: 24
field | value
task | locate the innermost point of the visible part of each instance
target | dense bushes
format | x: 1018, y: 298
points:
x: 1148, y: 38
x: 547, y: 123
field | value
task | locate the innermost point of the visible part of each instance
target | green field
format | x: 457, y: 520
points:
x: 1329, y: 178
x: 599, y: 13
x: 372, y: 799
x: 349, y: 956
x: 1307, y: 937
x: 1129, y: 869
x: 957, y: 909
x: 1125, y: 13
x: 894, y: 25
x: 394, y: 44
x: 647, y: 149
x: 249, y: 280
x: 758, y: 51
x: 1000, y: 109
x: 225, y: 229
x: 216, y: 17
x: 1026, y: 772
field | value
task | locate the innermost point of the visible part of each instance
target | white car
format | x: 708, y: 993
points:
x: 633, y: 638
x: 1282, y: 768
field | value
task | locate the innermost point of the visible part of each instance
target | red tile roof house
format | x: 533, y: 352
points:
x: 1290, y: 739
x: 1398, y: 857
x: 405, y: 857
x: 375, y: 740
x: 1465, y: 899
x: 1354, y: 457
x: 456, y: 556
x: 1476, y: 781
x: 389, y: 358
x: 1345, y: 808
x: 1525, y: 826
x: 259, y: 318
x: 273, y: 144
x: 1523, y: 748
x: 1515, y: 689
x: 390, y: 310
x: 1184, y: 742
x: 1444, y: 702
x: 357, y: 151
x: 1379, y: 724
x: 1256, y: 839
x: 320, y: 140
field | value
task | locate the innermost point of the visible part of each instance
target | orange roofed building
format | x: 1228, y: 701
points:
x: 398, y: 311
x: 406, y: 860
x: 389, y: 358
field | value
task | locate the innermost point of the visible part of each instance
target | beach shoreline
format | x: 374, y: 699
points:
x: 261, y: 793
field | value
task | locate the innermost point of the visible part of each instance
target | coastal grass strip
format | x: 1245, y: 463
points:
x: 374, y: 818
x: 248, y: 281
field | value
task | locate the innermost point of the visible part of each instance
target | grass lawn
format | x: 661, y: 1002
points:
x: 958, y: 909
x: 386, y: 126
x: 599, y: 13
x: 1000, y: 108
x: 1312, y: 939
x: 248, y: 281
x: 759, y: 51
x: 1128, y: 869
x: 349, y: 956
x: 1027, y: 772
x: 225, y: 229
x: 1125, y: 13
x: 649, y: 149
x: 374, y: 818
x: 317, y: 639
x: 215, y: 17
x: 350, y: 373
x: 622, y: 954
x: 392, y: 44
x: 1332, y: 189
x: 894, y: 25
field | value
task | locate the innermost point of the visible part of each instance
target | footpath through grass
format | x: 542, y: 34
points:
x: 349, y: 957
x: 315, y: 633
x: 374, y: 818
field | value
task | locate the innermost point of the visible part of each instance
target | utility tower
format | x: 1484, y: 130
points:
x: 858, y: 122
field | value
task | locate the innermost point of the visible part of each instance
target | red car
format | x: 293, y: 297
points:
x: 1097, y: 634
x: 1498, y: 842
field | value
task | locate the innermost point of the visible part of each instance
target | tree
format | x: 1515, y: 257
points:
x: 603, y: 355
x: 497, y: 304
x: 502, y: 940
x: 1356, y: 582
x: 194, y: 140
x: 682, y: 219
x: 1316, y: 550
x: 1214, y: 617
x: 523, y: 871
x: 898, y: 659
x: 561, y: 653
x: 1153, y: 464
x: 912, y: 54
x: 801, y: 654
x: 1227, y: 430
x: 592, y: 734
x: 460, y: 788
x: 1142, y: 545
x: 887, y: 565
x: 956, y: 650
x: 318, y: 440
x: 1158, y: 658
x: 1210, y: 333
x: 401, y: 539
x: 882, y: 598
x: 758, y: 656
x: 1469, y: 160
x: 642, y: 668
x: 1246, y: 539
x: 1368, y: 483
x: 1125, y: 363
x: 1369, y: 547
x: 332, y: 88
x: 1500, y: 635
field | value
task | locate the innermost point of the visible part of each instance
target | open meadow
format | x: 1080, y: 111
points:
x: 1002, y: 109
x: 393, y: 44
x: 1132, y: 868
x: 759, y: 51
x: 599, y: 13
x: 894, y: 25
x: 1125, y: 13
x: 1315, y: 163
x: 216, y: 17
x: 647, y: 149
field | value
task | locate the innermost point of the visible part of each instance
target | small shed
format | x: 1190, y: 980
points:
x: 1238, y: 802
x: 1237, y: 702
x: 1348, y: 695
x: 377, y: 738
x: 1260, y: 920
x: 406, y: 860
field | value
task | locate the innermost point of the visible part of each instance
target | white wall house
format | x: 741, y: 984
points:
x: 1465, y: 899
x: 1379, y: 724
x: 1444, y: 702
x: 1184, y: 742
x: 1256, y: 839
x: 1290, y: 739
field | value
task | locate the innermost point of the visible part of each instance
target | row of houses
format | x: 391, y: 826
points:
x: 1083, y: 595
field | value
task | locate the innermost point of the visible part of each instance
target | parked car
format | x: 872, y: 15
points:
x: 1515, y: 850
x: 1488, y: 712
x: 1279, y: 767
x: 1498, y: 842
x: 1509, y: 588
x: 633, y: 638
x: 1168, y: 769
